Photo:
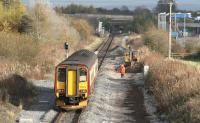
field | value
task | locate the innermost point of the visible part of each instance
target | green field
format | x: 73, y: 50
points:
x: 193, y: 62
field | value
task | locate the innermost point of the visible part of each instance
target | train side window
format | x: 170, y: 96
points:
x: 62, y: 74
x: 83, y: 75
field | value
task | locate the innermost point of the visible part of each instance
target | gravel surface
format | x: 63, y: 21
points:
x: 115, y: 99
x: 70, y: 116
x: 42, y: 108
x: 119, y: 100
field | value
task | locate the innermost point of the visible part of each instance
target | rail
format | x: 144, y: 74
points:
x: 62, y: 116
x: 103, y: 50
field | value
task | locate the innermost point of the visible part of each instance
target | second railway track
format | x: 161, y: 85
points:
x: 103, y: 50
x: 73, y: 115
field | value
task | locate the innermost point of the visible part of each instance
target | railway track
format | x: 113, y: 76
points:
x: 73, y: 115
x: 68, y: 116
x: 103, y: 50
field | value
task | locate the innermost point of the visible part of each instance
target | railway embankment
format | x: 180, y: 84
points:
x: 175, y: 88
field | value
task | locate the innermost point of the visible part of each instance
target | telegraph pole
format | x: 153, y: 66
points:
x: 184, y: 30
x: 170, y: 30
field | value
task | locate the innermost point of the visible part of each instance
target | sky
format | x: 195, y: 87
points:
x: 132, y: 4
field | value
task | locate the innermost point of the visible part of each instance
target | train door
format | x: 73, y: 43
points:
x: 72, y: 83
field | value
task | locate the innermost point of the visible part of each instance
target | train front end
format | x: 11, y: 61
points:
x: 71, y: 86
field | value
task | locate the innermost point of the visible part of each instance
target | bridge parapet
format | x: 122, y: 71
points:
x: 113, y: 17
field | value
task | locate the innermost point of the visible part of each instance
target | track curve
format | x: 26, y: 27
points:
x: 73, y: 115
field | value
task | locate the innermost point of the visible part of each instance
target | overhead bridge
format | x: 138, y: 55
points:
x: 113, y: 17
x: 118, y: 23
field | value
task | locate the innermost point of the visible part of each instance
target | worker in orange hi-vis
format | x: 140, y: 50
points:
x: 122, y: 70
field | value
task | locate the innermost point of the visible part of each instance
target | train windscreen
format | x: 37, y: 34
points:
x: 62, y: 74
x: 83, y: 75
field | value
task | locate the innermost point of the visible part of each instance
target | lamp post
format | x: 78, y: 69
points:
x: 170, y: 29
x: 184, y: 30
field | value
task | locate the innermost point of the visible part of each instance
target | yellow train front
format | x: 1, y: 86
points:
x: 74, y: 80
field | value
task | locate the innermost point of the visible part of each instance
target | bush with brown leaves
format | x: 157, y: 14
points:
x: 175, y: 86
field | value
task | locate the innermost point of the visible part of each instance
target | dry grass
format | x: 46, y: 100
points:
x: 19, y: 55
x: 18, y: 47
x: 192, y: 45
x: 135, y: 41
x: 175, y: 86
x: 193, y: 107
x: 96, y: 42
x: 8, y: 113
x: 157, y: 40
x: 83, y: 27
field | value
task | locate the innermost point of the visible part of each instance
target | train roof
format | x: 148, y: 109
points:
x: 83, y: 57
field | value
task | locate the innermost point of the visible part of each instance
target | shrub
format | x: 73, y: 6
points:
x: 10, y: 15
x: 173, y: 85
x: 25, y: 25
x: 16, y: 89
x: 156, y: 40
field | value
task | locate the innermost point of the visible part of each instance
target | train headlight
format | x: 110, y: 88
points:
x: 83, y: 91
x: 60, y: 91
x: 83, y: 86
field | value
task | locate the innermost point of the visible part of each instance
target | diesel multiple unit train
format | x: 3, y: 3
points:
x: 74, y: 79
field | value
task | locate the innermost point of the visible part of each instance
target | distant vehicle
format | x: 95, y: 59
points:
x: 74, y: 80
x: 130, y: 56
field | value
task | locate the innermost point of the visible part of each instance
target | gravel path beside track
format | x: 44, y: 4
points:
x: 116, y: 99
x: 41, y: 110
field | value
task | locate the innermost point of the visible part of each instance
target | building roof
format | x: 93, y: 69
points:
x: 82, y: 57
x: 183, y: 15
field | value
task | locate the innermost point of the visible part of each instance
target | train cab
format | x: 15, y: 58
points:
x: 74, y: 78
